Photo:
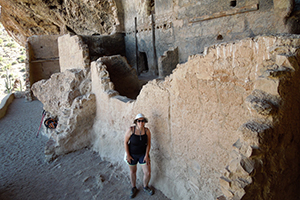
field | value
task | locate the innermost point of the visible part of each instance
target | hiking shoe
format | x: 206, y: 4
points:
x: 133, y: 192
x: 148, y: 190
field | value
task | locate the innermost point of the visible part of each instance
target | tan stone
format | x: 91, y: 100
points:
x: 42, y: 58
x: 73, y: 105
x: 63, y: 95
x: 76, y: 18
x: 225, y: 187
x: 221, y: 198
x: 246, y: 150
x: 196, y: 115
x: 287, y: 61
x: 73, y: 53
x: 5, y: 102
x: 269, y: 85
x: 284, y: 7
x: 193, y: 119
x: 167, y: 62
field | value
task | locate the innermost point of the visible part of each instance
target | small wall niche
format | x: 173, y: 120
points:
x: 143, y: 63
x: 122, y: 75
x: 219, y: 37
x: 233, y: 3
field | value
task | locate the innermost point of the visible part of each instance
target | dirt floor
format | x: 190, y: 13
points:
x: 24, y: 173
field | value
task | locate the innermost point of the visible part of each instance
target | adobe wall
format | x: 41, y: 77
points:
x: 105, y: 45
x: 42, y: 59
x: 73, y: 53
x: 43, y: 56
x: 192, y: 25
x: 72, y: 104
x: 198, y: 114
x: 167, y: 62
x: 77, y: 51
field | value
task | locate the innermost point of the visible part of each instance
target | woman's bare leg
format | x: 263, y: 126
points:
x: 147, y: 174
x: 133, y: 175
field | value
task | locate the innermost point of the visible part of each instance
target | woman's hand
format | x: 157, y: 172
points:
x: 129, y: 158
x: 147, y: 159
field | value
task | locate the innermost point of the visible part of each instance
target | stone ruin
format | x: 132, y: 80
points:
x: 218, y: 81
x: 226, y: 120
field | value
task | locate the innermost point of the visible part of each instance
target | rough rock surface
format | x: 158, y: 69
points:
x: 189, y: 25
x: 59, y: 92
x: 167, y: 62
x: 23, y: 19
x: 227, y: 117
x: 123, y: 76
x: 74, y: 110
x: 73, y: 53
x: 226, y: 121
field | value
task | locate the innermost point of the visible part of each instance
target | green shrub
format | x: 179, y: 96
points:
x: 7, y: 67
x: 11, y: 45
x: 8, y: 83
x: 14, y: 63
x: 21, y: 59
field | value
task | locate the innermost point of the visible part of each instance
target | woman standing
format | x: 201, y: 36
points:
x: 137, y: 147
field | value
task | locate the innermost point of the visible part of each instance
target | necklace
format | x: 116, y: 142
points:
x: 140, y: 133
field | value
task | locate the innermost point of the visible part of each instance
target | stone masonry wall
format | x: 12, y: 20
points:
x: 264, y: 158
x: 42, y: 59
x: 167, y: 62
x: 71, y: 103
x: 192, y: 25
x: 203, y: 128
x: 78, y: 51
x: 73, y: 53
x: 105, y: 45
x: 66, y: 97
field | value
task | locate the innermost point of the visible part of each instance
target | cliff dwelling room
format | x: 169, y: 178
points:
x: 216, y: 81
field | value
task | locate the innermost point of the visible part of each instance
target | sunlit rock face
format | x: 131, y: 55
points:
x: 226, y: 121
x: 24, y: 18
x: 72, y: 105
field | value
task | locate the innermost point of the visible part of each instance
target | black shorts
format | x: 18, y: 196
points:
x: 136, y: 159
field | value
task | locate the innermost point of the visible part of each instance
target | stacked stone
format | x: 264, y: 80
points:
x: 73, y: 105
x: 28, y: 93
x: 258, y: 160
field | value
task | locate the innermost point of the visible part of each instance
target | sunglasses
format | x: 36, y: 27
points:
x: 141, y: 120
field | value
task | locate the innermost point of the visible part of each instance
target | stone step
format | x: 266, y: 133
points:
x: 256, y: 133
x: 287, y: 61
x: 263, y: 103
x: 276, y: 72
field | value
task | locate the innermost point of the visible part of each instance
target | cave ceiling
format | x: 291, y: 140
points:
x: 24, y: 18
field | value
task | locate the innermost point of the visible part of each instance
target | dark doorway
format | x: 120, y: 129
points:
x: 143, y: 63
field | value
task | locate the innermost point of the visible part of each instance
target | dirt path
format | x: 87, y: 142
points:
x: 24, y: 173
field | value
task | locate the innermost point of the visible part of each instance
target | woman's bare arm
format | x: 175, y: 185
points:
x: 126, y: 140
x: 147, y: 158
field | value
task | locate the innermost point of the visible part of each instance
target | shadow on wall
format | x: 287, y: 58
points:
x: 122, y: 75
x: 142, y: 63
x: 104, y: 45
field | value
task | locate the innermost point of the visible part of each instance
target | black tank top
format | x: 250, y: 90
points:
x: 138, y: 143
